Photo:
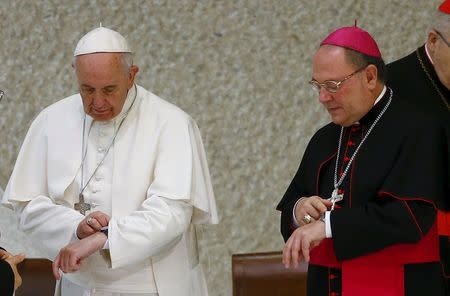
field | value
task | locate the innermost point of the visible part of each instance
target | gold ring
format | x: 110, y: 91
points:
x: 307, y: 219
x: 89, y: 221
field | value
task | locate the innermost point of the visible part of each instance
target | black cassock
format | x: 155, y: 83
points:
x: 6, y: 278
x: 391, y: 191
x: 415, y: 80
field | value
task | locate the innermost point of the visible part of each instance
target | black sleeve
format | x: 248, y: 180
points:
x: 304, y: 181
x: 6, y: 279
x: 376, y: 225
x: 295, y: 191
x: 287, y: 223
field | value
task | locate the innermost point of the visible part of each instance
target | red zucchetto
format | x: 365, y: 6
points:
x: 445, y: 7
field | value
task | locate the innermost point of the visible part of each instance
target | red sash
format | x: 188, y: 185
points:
x: 381, y: 272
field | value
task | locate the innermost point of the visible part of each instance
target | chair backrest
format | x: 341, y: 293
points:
x: 264, y: 274
x: 37, y: 278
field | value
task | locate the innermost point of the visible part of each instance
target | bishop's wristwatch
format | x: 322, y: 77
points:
x: 322, y: 217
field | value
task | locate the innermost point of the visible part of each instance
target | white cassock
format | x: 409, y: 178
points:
x: 154, y: 183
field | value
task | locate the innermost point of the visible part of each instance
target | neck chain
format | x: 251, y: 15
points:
x: 441, y: 95
x: 335, y: 196
x: 82, y: 206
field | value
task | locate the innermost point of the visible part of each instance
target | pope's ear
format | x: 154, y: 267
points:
x: 132, y: 75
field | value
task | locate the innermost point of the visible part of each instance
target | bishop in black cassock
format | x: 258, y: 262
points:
x: 416, y: 80
x: 384, y: 234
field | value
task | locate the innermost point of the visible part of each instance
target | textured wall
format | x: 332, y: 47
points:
x: 238, y: 67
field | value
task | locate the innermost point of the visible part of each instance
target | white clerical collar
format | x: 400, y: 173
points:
x: 376, y: 101
x: 128, y: 102
x: 381, y: 95
x: 428, y: 54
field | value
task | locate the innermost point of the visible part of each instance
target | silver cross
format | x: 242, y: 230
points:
x: 335, y: 197
x: 82, y: 206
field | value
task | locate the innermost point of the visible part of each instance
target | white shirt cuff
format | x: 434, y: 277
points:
x: 106, y: 245
x: 74, y: 236
x: 327, y: 221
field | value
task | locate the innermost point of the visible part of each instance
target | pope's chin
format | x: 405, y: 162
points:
x: 101, y: 115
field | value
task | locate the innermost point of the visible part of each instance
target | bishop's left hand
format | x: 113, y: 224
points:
x: 302, y: 240
x: 71, y: 256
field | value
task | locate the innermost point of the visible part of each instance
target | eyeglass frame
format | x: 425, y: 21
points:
x: 442, y: 37
x: 317, y: 85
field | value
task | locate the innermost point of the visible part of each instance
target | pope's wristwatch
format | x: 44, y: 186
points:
x: 104, y: 230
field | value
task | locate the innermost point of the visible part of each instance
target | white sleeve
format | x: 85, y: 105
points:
x: 52, y: 225
x: 157, y: 225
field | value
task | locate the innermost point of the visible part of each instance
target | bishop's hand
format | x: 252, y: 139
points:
x: 301, y: 242
x: 13, y: 260
x: 92, y: 223
x: 309, y: 209
x: 70, y: 258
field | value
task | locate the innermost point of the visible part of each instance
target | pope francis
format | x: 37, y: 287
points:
x: 110, y: 183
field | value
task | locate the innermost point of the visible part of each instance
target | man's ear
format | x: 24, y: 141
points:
x: 371, y: 72
x: 132, y: 75
x: 431, y: 42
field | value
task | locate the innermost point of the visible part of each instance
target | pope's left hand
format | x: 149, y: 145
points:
x: 92, y: 223
x: 302, y: 240
x: 71, y: 256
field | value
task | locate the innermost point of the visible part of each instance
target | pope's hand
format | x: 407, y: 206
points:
x: 13, y: 261
x: 71, y: 256
x: 91, y: 224
x: 313, y: 206
x: 302, y: 240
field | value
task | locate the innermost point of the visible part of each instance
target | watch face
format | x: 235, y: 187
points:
x: 104, y: 231
x: 322, y: 217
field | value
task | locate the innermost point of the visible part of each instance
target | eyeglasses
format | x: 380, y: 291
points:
x: 443, y: 38
x: 1, y: 94
x: 331, y: 85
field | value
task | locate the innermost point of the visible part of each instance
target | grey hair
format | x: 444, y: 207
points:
x: 441, y: 22
x: 125, y: 57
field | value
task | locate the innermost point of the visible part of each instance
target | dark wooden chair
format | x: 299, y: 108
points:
x: 37, y: 278
x: 263, y: 274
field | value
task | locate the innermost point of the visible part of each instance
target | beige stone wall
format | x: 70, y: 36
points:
x: 238, y: 67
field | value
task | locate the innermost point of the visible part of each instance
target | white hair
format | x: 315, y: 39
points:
x: 441, y: 22
x: 125, y: 57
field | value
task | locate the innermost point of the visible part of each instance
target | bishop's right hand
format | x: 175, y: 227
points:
x: 92, y: 223
x: 309, y: 209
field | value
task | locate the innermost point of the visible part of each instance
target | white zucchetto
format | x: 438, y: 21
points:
x: 101, y: 39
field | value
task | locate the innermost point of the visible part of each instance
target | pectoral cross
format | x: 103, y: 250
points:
x: 82, y: 206
x: 335, y: 197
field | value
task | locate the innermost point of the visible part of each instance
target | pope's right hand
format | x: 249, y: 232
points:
x: 92, y: 223
x: 70, y: 258
x: 313, y: 206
